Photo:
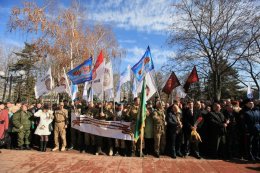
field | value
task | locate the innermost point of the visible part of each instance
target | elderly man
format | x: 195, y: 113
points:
x: 22, y: 121
x: 217, y: 132
x: 159, y: 128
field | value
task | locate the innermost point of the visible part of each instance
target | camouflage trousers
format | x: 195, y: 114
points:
x: 24, y: 137
x: 159, y: 139
x: 60, y: 131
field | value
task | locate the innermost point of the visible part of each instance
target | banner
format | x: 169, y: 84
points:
x: 43, y: 85
x: 143, y: 66
x: 81, y: 73
x: 110, y: 129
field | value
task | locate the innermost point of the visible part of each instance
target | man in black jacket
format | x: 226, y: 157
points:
x: 252, y: 126
x: 190, y: 116
x: 217, y: 132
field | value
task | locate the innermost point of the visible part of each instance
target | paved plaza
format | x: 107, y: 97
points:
x: 72, y: 161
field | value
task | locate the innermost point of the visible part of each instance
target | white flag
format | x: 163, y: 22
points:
x: 87, y: 86
x: 98, y: 75
x: 108, y: 77
x: 180, y: 92
x: 249, y: 92
x: 134, y: 89
x: 62, y: 86
x: 90, y: 95
x: 44, y: 84
x: 125, y: 76
x: 109, y: 94
x: 150, y: 86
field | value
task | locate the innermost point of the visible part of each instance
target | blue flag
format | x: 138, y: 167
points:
x: 81, y: 73
x: 143, y: 66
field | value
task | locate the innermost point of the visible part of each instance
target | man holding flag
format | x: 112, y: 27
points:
x: 144, y: 66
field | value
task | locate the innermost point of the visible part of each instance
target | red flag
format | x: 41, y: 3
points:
x: 171, y: 83
x: 191, y: 79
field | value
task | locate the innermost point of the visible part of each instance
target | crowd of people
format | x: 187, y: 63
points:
x: 223, y: 130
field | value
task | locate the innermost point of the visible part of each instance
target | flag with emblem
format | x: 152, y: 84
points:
x: 171, y: 83
x: 143, y: 66
x: 193, y: 77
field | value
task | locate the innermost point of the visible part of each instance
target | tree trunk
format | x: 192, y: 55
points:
x: 216, y: 86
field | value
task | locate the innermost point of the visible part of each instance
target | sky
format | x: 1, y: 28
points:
x: 136, y: 24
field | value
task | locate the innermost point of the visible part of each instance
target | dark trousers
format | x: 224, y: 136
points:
x: 186, y: 145
x: 13, y: 140
x: 254, y: 145
x: 218, y: 146
x: 149, y: 145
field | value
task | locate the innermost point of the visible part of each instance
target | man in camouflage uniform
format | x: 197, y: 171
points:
x: 22, y: 124
x: 60, y: 125
x: 132, y: 117
x: 159, y: 127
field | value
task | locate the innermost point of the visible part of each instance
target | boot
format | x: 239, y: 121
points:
x: 55, y: 149
x: 179, y: 153
x: 173, y: 155
x: 63, y: 149
x: 116, y: 151
x: 157, y: 155
x: 44, y: 146
x: 41, y: 146
x: 99, y: 151
x: 27, y: 147
x: 111, y: 151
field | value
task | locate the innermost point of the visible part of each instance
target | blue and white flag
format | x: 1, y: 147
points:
x: 124, y: 77
x: 143, y: 66
x: 81, y: 73
x: 74, y: 91
x: 249, y: 92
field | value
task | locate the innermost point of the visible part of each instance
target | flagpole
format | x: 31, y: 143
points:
x: 141, y: 142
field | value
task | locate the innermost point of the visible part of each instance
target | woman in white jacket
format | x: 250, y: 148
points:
x: 43, y: 128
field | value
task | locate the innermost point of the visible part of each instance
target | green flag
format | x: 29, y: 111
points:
x: 141, y: 113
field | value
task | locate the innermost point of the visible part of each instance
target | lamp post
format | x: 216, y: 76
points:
x: 2, y: 75
x: 13, y: 77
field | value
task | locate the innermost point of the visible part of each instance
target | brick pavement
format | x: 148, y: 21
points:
x: 72, y: 161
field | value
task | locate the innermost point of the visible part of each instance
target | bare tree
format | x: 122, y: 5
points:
x: 213, y: 34
x: 63, y: 33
